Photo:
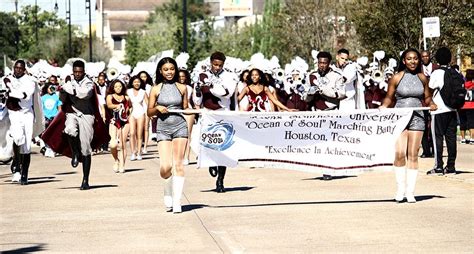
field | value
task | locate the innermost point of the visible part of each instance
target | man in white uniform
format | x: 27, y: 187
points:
x: 23, y: 112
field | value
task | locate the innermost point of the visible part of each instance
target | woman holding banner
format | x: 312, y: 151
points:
x: 408, y: 89
x: 171, y: 129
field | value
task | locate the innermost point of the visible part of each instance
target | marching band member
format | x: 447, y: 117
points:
x: 349, y: 73
x: 408, y: 88
x: 79, y: 121
x: 137, y: 94
x: 185, y: 78
x: 326, y: 90
x: 24, y: 111
x: 6, y: 143
x: 118, y: 114
x: 172, y: 131
x: 148, y: 85
x: 326, y: 86
x: 259, y: 96
x: 215, y: 92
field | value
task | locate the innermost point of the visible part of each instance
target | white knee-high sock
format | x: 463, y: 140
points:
x: 178, y: 184
x: 168, y: 192
x: 400, y: 176
x: 411, y: 182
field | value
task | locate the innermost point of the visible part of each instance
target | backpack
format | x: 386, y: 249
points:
x: 453, y: 92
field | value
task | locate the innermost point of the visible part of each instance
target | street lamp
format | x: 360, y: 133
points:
x: 36, y: 21
x: 88, y: 6
x: 56, y: 7
x: 68, y: 17
x: 185, y: 28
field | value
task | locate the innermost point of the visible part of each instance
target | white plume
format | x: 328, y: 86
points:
x: 274, y: 63
x: 379, y: 55
x: 93, y: 69
x: 149, y: 67
x: 182, y: 60
x: 314, y: 54
x: 362, y: 61
x: 392, y: 63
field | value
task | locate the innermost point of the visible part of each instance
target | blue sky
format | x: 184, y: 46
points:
x: 79, y: 15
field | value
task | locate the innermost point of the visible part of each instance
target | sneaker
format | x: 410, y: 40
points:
x: 132, y: 158
x: 139, y: 157
x: 471, y: 141
x: 463, y: 141
x: 144, y: 151
x: 185, y: 162
x: 435, y: 171
x: 448, y: 170
x: 16, y: 177
x: 115, y: 168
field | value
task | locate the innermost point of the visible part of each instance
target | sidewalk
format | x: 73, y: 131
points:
x: 263, y: 211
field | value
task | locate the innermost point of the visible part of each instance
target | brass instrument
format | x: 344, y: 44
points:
x: 377, y: 76
x: 112, y: 73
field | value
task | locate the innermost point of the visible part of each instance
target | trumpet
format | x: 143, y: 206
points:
x: 377, y: 76
x: 279, y: 73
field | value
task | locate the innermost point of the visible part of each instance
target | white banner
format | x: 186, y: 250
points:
x: 335, y: 142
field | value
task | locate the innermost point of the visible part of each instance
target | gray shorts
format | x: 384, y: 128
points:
x: 171, y: 127
x: 417, y: 122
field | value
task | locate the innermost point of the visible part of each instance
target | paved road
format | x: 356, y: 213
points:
x: 264, y: 210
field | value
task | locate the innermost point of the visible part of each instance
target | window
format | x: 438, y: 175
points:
x: 117, y: 43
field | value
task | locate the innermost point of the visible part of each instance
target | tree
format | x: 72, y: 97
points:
x: 18, y: 37
x: 300, y: 26
x: 234, y: 41
x: 394, y: 26
x: 8, y: 34
x: 164, y: 30
x: 99, y: 51
x: 156, y: 37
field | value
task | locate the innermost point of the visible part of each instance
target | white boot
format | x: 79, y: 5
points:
x: 400, y: 176
x: 168, y: 193
x: 178, y: 183
x: 411, y: 182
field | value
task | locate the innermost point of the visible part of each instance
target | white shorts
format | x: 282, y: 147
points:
x: 21, y: 129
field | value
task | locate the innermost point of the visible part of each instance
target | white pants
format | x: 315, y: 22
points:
x: 83, y: 126
x: 21, y: 129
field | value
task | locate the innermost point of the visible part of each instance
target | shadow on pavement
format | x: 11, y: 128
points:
x: 91, y: 187
x: 41, y: 181
x: 149, y: 158
x: 462, y: 172
x: 418, y: 198
x: 41, y: 177
x: 9, y: 175
x: 187, y: 208
x: 333, y: 178
x: 243, y: 188
x: 133, y: 170
x: 34, y: 248
x: 67, y: 173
